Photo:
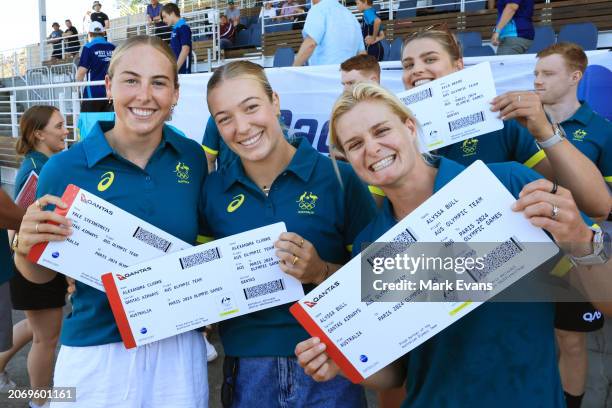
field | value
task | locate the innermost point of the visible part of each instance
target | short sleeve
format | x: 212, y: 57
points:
x: 522, y: 144
x: 359, y: 206
x: 212, y: 137
x: 85, y: 59
x: 185, y: 36
x: 314, y: 27
x: 605, y: 159
x: 51, y: 179
x: 369, y: 16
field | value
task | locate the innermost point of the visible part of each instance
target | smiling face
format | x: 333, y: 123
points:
x: 554, y: 80
x: 246, y: 117
x: 52, y: 138
x: 143, y: 90
x: 377, y: 143
x: 424, y: 60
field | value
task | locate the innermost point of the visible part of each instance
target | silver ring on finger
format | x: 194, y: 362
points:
x: 519, y: 99
x: 555, y: 211
x: 38, y: 204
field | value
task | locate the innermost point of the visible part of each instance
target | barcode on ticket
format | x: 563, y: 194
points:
x: 149, y: 238
x: 496, y: 258
x: 416, y: 97
x: 466, y: 121
x: 400, y: 243
x: 200, y: 257
x: 264, y: 289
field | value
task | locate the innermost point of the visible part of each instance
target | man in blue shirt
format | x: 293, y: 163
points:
x: 331, y: 35
x: 93, y: 64
x: 513, y: 32
x: 180, y: 40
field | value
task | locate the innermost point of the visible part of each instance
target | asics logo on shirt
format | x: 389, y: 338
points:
x: 235, y: 203
x: 107, y: 180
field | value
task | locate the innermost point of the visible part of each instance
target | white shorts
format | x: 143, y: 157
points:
x: 167, y: 373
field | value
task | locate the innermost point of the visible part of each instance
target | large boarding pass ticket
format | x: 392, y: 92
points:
x: 454, y: 108
x: 105, y: 238
x: 473, y: 207
x: 201, y: 285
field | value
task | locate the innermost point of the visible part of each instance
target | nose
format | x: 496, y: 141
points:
x: 242, y: 124
x: 372, y: 147
x: 144, y: 93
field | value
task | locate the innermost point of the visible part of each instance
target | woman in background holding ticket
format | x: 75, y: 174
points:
x: 277, y: 180
x: 132, y: 163
x: 499, y: 354
x: 432, y: 54
x: 43, y: 134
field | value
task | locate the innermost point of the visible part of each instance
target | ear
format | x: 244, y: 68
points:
x: 459, y: 64
x: 576, y: 76
x: 107, y: 85
x: 411, y: 125
x: 276, y: 103
x: 175, y: 96
x: 38, y: 136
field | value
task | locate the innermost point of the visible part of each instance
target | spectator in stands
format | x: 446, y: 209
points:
x: 233, y: 14
x: 371, y: 29
x: 360, y: 68
x: 93, y: 64
x: 71, y: 37
x: 56, y: 40
x: 558, y: 71
x: 227, y: 31
x: 513, y: 33
x: 10, y: 218
x: 154, y: 19
x: 268, y: 11
x: 289, y: 10
x: 331, y: 35
x: 100, y: 17
x: 180, y: 40
x: 42, y: 134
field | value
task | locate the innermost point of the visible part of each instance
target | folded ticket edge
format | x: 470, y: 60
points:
x: 114, y: 300
x: 334, y: 352
x: 68, y: 197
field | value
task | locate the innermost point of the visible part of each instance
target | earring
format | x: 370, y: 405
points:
x: 110, y: 100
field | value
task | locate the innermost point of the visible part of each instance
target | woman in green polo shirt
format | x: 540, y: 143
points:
x: 498, y: 355
x: 277, y: 180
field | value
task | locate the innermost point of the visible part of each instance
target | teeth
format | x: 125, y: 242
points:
x: 142, y: 112
x: 421, y: 82
x: 386, y: 162
x: 250, y: 141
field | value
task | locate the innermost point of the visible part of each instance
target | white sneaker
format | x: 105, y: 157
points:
x: 211, y: 352
x: 7, y: 384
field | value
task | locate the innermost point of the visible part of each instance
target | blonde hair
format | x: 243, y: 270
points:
x: 151, y: 41
x: 366, y: 91
x: 237, y: 69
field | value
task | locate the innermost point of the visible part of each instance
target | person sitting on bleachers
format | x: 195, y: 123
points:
x: 290, y: 10
x: 227, y: 31
x: 56, y: 39
x: 233, y: 14
x: 72, y: 40
x: 268, y: 11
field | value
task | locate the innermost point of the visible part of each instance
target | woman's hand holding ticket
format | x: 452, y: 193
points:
x: 314, y: 360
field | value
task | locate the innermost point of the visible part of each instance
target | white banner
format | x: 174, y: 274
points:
x: 307, y: 94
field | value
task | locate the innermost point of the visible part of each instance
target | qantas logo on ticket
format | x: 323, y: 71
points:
x: 317, y: 298
x: 127, y: 275
x: 88, y: 201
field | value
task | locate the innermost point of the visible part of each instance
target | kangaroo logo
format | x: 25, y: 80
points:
x: 307, y: 203
x: 469, y: 147
x: 182, y: 172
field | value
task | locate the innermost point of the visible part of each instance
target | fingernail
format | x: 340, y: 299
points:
x: 316, y: 340
x: 514, y: 207
x: 321, y: 347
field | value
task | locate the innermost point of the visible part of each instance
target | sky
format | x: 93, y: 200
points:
x: 20, y: 23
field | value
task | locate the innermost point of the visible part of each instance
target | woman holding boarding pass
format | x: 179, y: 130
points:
x: 499, y: 354
x: 132, y: 163
x: 277, y: 180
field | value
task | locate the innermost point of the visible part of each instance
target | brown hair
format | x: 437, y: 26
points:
x: 35, y: 118
x: 441, y: 35
x: 573, y: 55
x: 152, y: 41
x: 237, y: 69
x: 362, y: 62
x: 171, y: 8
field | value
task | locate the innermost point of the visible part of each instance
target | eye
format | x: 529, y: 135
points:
x: 159, y: 83
x: 430, y: 60
x: 381, y: 131
x: 408, y: 65
x: 252, y: 108
x: 130, y: 81
x: 353, y: 145
x: 223, y: 120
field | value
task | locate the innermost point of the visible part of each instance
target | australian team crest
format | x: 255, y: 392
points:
x: 469, y: 147
x: 182, y: 172
x: 307, y: 203
x: 579, y: 135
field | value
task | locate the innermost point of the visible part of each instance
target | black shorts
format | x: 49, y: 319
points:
x: 578, y: 317
x: 99, y: 105
x: 26, y: 295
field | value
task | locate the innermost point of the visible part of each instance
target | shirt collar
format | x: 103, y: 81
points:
x: 96, y: 146
x: 35, y: 154
x: 302, y: 165
x: 583, y: 115
x: 97, y: 40
x: 180, y: 22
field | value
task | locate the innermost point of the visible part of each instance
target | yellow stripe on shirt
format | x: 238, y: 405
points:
x: 210, y: 151
x: 376, y: 190
x: 201, y: 239
x: 535, y: 159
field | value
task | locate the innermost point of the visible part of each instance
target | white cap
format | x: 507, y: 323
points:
x: 96, y: 27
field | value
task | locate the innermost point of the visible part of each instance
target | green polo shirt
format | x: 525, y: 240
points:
x: 165, y: 193
x: 308, y: 197
x: 33, y: 161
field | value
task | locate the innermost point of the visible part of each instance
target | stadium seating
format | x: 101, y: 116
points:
x: 444, y: 5
x: 584, y: 34
x: 387, y: 47
x: 544, y: 37
x: 469, y: 39
x: 407, y: 9
x: 243, y: 38
x: 474, y: 5
x: 478, y: 51
x: 395, y: 54
x: 596, y: 88
x: 283, y: 57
